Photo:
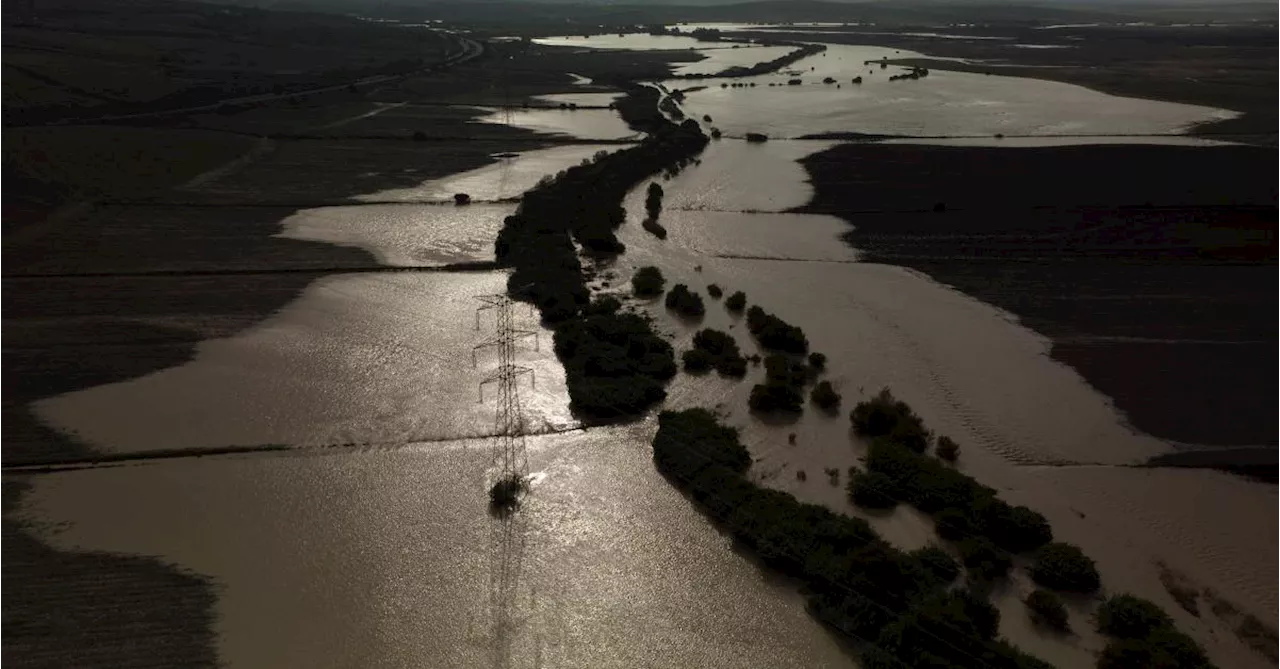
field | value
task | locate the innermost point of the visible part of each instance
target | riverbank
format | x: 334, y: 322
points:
x: 1118, y: 265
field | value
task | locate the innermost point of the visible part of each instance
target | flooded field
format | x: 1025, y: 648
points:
x: 941, y: 104
x: 389, y: 558
x: 506, y: 179
x: 717, y: 56
x: 379, y: 550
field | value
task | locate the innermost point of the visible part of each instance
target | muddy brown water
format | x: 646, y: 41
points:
x: 381, y: 551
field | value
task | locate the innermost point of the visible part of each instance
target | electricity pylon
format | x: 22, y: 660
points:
x: 508, y: 448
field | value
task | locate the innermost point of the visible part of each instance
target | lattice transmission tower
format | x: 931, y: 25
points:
x: 508, y: 446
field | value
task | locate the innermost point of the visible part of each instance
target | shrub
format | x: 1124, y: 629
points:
x: 872, y: 490
x: 825, y: 396
x: 1164, y: 648
x: 714, y: 291
x: 818, y: 361
x: 775, y: 333
x: 1065, y: 567
x: 653, y: 201
x: 648, y: 282
x: 781, y: 370
x: 653, y: 227
x: 1015, y: 528
x: 505, y: 493
x: 722, y: 351
x: 767, y: 398
x: 982, y: 559
x: 696, y: 360
x: 1130, y: 617
x: 1047, y: 609
x: 461, y: 199
x: 947, y: 449
x: 953, y: 525
x: 684, y: 302
x: 885, y: 415
x: 736, y: 302
x: 937, y: 562
x: 614, y: 363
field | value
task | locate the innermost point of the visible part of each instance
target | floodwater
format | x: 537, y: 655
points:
x: 506, y: 179
x: 717, y: 56
x: 941, y: 104
x: 389, y: 558
x: 378, y: 550
x: 1028, y: 425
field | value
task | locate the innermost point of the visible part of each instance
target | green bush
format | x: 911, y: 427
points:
x: 872, y: 490
x: 947, y: 449
x: 722, y: 352
x: 784, y: 371
x: 1047, y: 609
x: 769, y: 398
x: 1064, y: 567
x: 1144, y: 637
x: 983, y: 560
x: 953, y: 525
x: 648, y: 282
x: 736, y: 302
x: 685, y: 302
x: 696, y: 360
x: 775, y: 333
x: 1016, y: 529
x: 825, y: 396
x: 714, y: 291
x: 938, y: 562
x: 614, y: 364
x: 818, y: 361
x: 1165, y: 648
x: 854, y: 581
x: 886, y: 416
x: 1126, y: 616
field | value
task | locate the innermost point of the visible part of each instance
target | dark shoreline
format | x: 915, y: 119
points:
x: 1167, y: 310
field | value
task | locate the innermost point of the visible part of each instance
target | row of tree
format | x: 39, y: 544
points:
x: 856, y: 582
x: 613, y: 361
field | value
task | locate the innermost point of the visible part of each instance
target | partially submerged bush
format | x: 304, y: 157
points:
x: 1127, y: 617
x: 947, y: 449
x: 715, y: 291
x: 648, y: 282
x: 685, y: 302
x: 886, y: 416
x: 722, y: 351
x: 1063, y: 566
x: 983, y: 560
x: 872, y: 490
x: 696, y: 360
x: 1144, y: 636
x: 736, y: 302
x: 818, y: 361
x: 614, y: 363
x: 775, y: 333
x: 825, y: 396
x: 1046, y: 609
x: 937, y: 562
x: 505, y: 493
x: 768, y: 397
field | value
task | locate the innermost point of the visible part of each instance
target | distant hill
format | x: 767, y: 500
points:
x: 908, y: 12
